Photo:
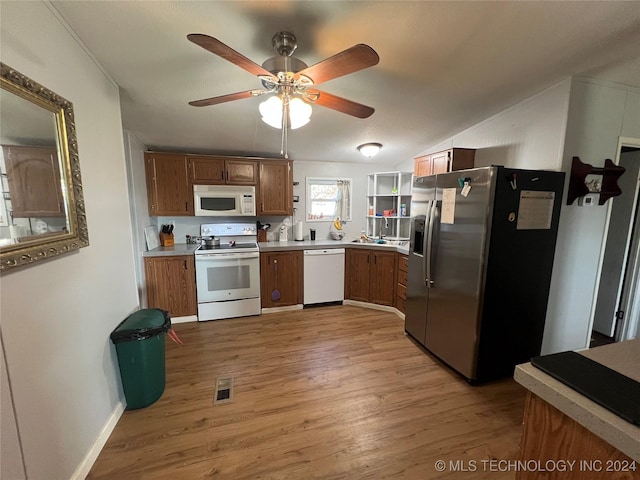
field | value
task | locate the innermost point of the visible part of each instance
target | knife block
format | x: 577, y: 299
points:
x: 166, y: 239
x: 262, y: 235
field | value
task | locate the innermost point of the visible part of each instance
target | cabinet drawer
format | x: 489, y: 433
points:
x: 403, y: 264
x: 402, y: 291
x: 402, y: 277
x: 400, y: 304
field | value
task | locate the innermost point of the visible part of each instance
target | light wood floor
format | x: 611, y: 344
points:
x: 333, y: 392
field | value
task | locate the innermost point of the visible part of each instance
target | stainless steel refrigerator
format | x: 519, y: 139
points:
x: 480, y: 260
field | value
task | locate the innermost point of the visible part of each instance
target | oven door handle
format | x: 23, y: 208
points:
x: 228, y: 256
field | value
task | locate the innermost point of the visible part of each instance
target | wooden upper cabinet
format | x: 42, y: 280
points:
x: 445, y: 161
x: 211, y: 170
x: 33, y: 175
x: 422, y: 166
x: 275, y: 190
x: 169, y: 191
x: 206, y: 170
x: 241, y: 172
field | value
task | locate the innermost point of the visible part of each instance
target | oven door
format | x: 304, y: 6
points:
x: 227, y: 276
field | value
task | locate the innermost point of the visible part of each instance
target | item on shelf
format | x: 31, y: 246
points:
x: 389, y: 213
x: 403, y: 210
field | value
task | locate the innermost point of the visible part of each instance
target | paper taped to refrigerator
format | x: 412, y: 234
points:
x: 448, y: 205
x: 535, y: 210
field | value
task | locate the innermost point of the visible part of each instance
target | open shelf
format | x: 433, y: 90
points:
x: 391, y: 192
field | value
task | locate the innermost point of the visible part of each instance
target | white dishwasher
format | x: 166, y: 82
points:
x: 323, y: 276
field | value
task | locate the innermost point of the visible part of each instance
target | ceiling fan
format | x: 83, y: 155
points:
x: 291, y: 80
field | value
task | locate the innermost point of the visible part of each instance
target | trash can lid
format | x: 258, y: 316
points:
x: 142, y: 324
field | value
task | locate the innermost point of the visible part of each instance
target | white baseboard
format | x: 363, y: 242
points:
x: 282, y: 309
x: 375, y: 306
x: 190, y: 318
x: 89, y: 459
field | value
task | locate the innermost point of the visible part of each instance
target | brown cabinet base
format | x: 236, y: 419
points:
x: 171, y: 284
x: 551, y: 436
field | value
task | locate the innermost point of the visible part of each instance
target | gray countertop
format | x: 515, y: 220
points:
x: 320, y: 244
x: 623, y: 357
x: 177, y: 249
x: 188, y: 249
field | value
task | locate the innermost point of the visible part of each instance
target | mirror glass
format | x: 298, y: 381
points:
x: 41, y: 209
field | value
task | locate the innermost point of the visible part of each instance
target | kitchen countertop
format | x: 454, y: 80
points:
x: 623, y: 357
x: 177, y: 249
x: 188, y: 249
x: 320, y: 244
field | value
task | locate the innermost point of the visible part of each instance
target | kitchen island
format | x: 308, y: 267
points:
x: 562, y: 425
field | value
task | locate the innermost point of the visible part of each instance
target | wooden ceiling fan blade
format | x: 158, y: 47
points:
x: 216, y: 47
x: 351, y: 60
x: 341, y: 104
x: 226, y: 98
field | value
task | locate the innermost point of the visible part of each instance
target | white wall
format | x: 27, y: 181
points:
x: 529, y: 134
x: 301, y: 170
x: 139, y: 210
x: 57, y: 315
x: 598, y: 115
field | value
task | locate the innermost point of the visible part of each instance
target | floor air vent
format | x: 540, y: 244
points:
x: 224, y: 390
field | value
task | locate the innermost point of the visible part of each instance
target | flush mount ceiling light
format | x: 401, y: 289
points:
x: 370, y: 150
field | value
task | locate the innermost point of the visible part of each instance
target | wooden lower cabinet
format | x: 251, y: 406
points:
x: 401, y: 282
x: 370, y: 276
x: 281, y: 272
x: 171, y: 284
x: 551, y: 436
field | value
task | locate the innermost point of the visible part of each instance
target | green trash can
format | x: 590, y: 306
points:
x: 139, y: 342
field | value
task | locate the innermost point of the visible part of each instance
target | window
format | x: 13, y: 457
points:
x: 328, y: 198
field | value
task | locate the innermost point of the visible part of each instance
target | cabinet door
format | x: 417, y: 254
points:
x: 357, y: 274
x: 206, y: 170
x: 241, y: 172
x: 383, y: 278
x: 169, y: 190
x: 171, y: 284
x: 440, y: 162
x: 422, y: 166
x: 33, y: 175
x: 281, y: 278
x: 462, y: 158
x: 275, y: 188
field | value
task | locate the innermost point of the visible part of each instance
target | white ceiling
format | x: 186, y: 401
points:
x: 443, y: 67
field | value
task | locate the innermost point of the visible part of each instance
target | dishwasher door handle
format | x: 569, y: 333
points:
x: 331, y: 251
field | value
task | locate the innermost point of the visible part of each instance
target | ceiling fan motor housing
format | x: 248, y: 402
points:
x: 284, y: 43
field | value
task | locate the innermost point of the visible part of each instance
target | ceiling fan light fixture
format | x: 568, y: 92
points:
x: 369, y: 150
x: 273, y: 108
x: 271, y: 111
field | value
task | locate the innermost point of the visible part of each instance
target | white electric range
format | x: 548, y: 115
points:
x: 228, y: 274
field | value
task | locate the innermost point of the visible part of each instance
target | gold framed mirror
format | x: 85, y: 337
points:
x: 42, y: 212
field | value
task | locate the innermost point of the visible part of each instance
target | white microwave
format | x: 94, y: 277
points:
x: 224, y: 201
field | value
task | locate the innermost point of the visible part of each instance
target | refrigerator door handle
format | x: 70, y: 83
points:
x: 429, y: 247
x: 424, y: 252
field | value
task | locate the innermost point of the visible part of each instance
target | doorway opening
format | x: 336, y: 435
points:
x: 617, y: 306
